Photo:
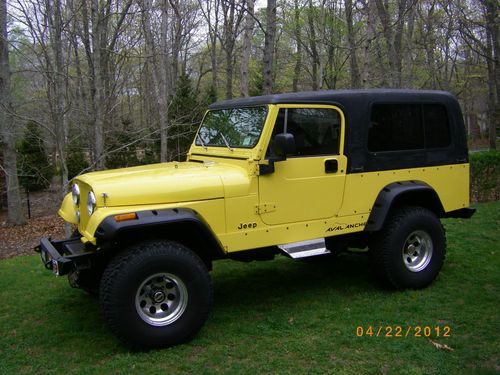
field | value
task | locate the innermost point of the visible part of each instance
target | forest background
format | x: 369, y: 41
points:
x: 94, y: 84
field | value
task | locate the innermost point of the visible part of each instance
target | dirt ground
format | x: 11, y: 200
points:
x: 44, y: 222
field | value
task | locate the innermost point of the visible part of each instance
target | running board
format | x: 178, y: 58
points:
x: 305, y: 249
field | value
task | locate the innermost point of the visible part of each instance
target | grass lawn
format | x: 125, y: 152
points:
x: 281, y: 316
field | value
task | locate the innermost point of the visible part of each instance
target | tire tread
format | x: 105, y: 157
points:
x: 381, y: 246
x: 135, y: 255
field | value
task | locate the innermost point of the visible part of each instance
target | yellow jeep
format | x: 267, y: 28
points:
x: 301, y: 175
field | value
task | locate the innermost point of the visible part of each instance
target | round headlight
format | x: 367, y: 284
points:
x: 91, y: 203
x: 75, y: 193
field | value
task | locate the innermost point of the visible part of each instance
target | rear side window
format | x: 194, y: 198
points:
x: 401, y: 127
x: 437, y: 130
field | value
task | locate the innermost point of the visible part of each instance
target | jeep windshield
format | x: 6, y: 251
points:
x: 233, y: 127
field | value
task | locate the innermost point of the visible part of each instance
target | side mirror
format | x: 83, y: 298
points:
x: 284, y: 144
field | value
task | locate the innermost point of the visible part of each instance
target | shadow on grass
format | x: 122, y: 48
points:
x: 248, y: 286
x: 242, y: 291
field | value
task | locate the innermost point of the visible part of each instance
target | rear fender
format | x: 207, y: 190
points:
x: 415, y: 193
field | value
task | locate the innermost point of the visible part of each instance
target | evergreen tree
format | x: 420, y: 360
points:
x: 34, y: 167
x: 185, y: 114
x: 76, y: 161
x: 122, y: 148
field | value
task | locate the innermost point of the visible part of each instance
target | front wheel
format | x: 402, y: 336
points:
x: 156, y: 294
x: 410, y: 250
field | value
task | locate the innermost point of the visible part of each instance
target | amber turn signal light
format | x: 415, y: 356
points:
x: 125, y: 217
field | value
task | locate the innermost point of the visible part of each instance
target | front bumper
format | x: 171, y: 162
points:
x: 63, y: 257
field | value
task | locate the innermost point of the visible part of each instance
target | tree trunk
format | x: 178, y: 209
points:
x: 267, y: 70
x: 393, y: 39
x: 493, y: 36
x: 210, y: 8
x: 59, y: 108
x: 15, y: 210
x: 429, y: 41
x: 298, y: 38
x: 229, y: 42
x: 492, y: 132
x: 177, y: 32
x: 97, y: 34
x: 353, y: 60
x: 157, y: 78
x: 246, y: 49
x: 313, y: 46
x: 370, y: 36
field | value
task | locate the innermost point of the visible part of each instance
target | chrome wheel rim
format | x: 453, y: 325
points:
x: 161, y: 299
x: 417, y: 251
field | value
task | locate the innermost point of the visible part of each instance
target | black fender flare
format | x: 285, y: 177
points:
x: 181, y: 223
x: 409, y: 192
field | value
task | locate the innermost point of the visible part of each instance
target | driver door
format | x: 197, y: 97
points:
x: 308, y: 185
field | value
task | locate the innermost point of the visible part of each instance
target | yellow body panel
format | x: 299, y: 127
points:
x: 68, y: 210
x: 245, y: 210
x: 451, y: 183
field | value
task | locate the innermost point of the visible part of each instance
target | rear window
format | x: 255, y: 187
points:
x: 401, y: 127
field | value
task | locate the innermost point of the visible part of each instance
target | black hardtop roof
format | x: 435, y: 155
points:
x: 342, y: 97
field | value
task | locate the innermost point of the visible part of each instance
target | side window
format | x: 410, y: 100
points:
x: 395, y: 127
x: 316, y: 130
x: 437, y: 129
x: 400, y: 127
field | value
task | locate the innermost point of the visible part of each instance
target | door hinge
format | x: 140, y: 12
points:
x: 264, y: 208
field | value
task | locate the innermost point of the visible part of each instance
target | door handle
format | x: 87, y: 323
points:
x: 331, y: 166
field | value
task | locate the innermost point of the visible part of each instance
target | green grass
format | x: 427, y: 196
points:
x: 282, y: 316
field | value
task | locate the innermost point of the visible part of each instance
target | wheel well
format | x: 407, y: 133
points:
x: 398, y: 194
x: 189, y: 234
x: 178, y: 224
x: 422, y: 198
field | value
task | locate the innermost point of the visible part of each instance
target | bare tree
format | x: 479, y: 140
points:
x: 233, y: 12
x: 298, y: 40
x: 246, y: 48
x: 369, y: 15
x: 267, y: 69
x: 393, y: 35
x: 15, y: 212
x: 492, y: 17
x: 313, y: 48
x: 56, y: 85
x: 472, y: 30
x: 210, y: 10
x: 353, y: 58
x: 158, y: 75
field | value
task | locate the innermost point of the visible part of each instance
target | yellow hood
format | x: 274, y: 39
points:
x: 164, y: 183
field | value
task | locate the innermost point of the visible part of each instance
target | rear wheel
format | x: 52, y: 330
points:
x: 409, y: 251
x: 156, y: 294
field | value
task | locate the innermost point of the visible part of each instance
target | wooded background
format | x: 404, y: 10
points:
x: 94, y: 84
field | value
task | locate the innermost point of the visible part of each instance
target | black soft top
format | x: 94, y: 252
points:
x: 356, y: 105
x: 344, y: 98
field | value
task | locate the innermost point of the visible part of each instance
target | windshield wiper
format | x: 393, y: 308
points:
x: 201, y: 141
x: 225, y: 142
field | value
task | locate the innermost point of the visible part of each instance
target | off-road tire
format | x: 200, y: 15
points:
x: 414, y: 230
x: 122, y: 287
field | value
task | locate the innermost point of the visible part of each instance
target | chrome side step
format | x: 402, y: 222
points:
x: 304, y: 249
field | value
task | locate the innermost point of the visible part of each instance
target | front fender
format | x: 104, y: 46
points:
x: 68, y: 210
x: 178, y: 224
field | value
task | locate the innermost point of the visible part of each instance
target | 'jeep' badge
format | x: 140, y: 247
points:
x: 247, y: 225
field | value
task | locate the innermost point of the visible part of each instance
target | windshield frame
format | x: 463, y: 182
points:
x: 197, y: 142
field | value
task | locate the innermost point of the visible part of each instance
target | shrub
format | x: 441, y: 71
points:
x: 485, y: 176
